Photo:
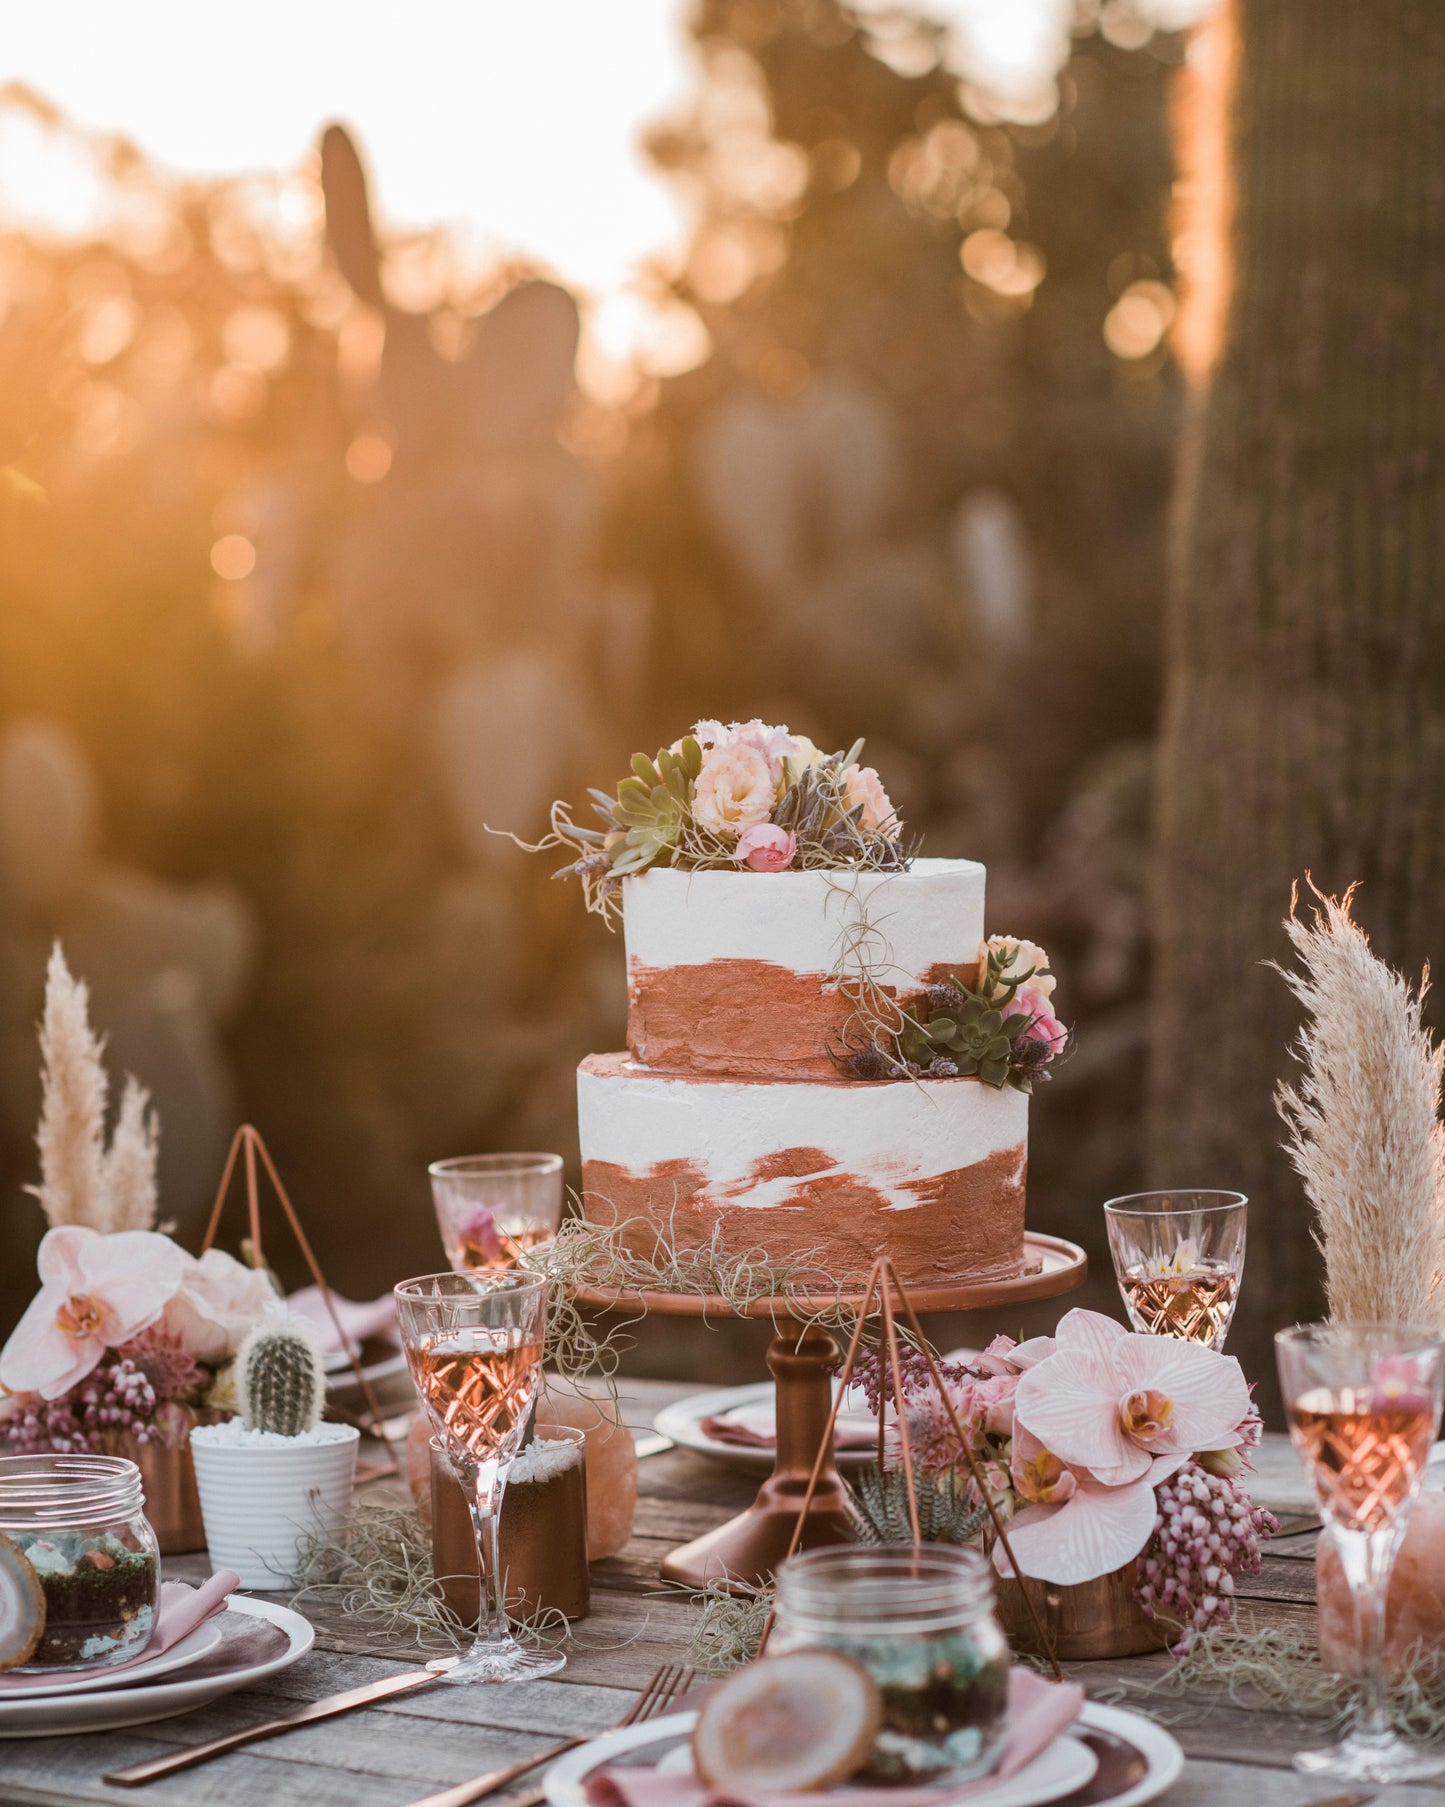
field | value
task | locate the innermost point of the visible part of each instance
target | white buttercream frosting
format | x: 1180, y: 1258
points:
x: 885, y: 1134
x: 909, y: 922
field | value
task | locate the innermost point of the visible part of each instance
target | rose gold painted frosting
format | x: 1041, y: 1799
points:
x: 748, y: 1018
x: 969, y: 1222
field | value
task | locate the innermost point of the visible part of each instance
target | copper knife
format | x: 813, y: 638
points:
x: 155, y: 1767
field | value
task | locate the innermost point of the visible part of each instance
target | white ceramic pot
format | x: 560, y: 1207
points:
x: 263, y: 1501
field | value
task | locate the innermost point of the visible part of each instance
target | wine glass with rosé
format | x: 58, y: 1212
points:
x: 1179, y: 1258
x: 492, y: 1208
x: 1363, y: 1403
x: 474, y: 1346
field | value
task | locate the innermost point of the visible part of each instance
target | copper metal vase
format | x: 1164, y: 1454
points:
x: 543, y: 1538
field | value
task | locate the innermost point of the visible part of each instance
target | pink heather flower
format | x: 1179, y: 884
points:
x: 1043, y: 1025
x: 1207, y: 1534
x: 765, y: 848
x: 862, y: 785
x: 96, y: 1292
x: 735, y: 790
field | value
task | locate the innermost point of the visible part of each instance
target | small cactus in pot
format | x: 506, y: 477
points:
x: 280, y: 1381
x: 275, y: 1476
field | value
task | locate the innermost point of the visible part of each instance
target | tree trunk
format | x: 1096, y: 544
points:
x: 1304, y: 726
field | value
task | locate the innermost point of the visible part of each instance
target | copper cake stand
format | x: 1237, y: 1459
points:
x: 748, y: 1548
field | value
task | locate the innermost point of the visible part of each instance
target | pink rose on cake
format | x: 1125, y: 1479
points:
x: 862, y: 786
x: 765, y: 848
x: 735, y: 790
x: 1043, y: 1025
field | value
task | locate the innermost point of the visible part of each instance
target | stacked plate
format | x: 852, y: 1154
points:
x: 233, y: 1649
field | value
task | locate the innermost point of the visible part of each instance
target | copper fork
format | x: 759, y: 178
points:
x: 668, y: 1683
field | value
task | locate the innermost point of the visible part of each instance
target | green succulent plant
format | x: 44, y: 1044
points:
x: 976, y: 1037
x: 947, y: 1512
x: 647, y: 816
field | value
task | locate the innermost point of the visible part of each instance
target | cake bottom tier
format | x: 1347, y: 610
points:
x: 827, y: 1174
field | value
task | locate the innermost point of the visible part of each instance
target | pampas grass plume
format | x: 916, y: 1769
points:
x: 72, y: 1117
x: 1363, y: 1123
x: 81, y: 1182
x: 130, y: 1166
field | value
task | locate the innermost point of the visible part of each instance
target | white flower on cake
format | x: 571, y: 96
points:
x: 735, y: 790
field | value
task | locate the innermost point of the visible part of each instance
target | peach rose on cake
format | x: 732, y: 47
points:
x: 862, y: 786
x: 1022, y: 956
x: 735, y: 790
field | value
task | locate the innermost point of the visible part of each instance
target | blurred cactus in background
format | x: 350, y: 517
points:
x: 312, y: 567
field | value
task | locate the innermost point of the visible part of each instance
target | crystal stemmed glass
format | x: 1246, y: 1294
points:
x: 474, y: 1346
x: 492, y: 1208
x: 1363, y: 1402
x: 1178, y: 1258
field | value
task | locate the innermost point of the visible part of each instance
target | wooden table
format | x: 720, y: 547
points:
x: 387, y: 1755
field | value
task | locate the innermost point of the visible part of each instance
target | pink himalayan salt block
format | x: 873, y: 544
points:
x: 610, y: 1453
x: 1414, y: 1606
x: 611, y: 1457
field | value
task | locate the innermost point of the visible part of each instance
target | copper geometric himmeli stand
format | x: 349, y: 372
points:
x: 804, y: 1497
x: 247, y: 1141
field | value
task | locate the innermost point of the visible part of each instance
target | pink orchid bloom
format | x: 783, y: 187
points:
x: 1039, y: 1477
x: 1094, y: 1531
x: 1111, y: 1401
x: 96, y: 1292
x: 1119, y: 1413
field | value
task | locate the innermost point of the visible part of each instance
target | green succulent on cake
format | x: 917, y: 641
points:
x: 1000, y: 1030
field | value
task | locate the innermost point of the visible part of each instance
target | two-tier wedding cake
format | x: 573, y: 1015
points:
x: 826, y: 1059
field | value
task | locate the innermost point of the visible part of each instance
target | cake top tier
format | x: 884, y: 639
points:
x: 909, y: 927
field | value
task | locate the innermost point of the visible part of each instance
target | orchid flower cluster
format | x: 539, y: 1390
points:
x: 1100, y: 1447
x: 740, y: 795
x: 1000, y: 1028
x: 127, y: 1339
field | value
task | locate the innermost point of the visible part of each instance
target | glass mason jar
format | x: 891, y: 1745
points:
x: 80, y: 1522
x: 920, y: 1620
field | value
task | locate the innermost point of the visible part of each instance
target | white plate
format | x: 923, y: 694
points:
x: 1055, y: 1772
x: 191, y: 1649
x: 56, y: 1716
x: 682, y: 1422
x: 1043, y: 1780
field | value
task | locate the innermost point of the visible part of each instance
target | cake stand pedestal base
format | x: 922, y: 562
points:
x: 749, y: 1548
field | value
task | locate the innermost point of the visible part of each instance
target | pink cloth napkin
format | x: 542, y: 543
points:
x: 360, y: 1318
x: 179, y: 1611
x: 756, y: 1427
x: 1038, y: 1711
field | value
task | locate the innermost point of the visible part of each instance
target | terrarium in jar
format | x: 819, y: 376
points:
x: 920, y: 1620
x: 80, y: 1523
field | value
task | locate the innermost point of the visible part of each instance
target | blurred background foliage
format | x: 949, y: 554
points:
x: 314, y: 561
